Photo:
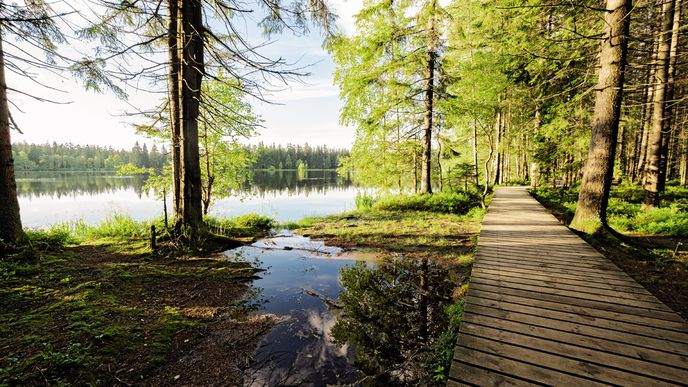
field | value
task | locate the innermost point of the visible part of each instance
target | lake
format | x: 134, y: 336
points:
x: 54, y: 197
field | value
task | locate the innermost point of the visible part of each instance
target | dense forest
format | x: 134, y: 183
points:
x: 68, y: 157
x: 509, y: 88
x: 291, y: 156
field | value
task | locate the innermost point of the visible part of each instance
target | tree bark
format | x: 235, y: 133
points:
x: 593, y: 198
x: 652, y: 175
x: 498, y: 157
x: 623, y: 162
x: 647, y: 109
x: 10, y: 219
x: 475, y: 152
x: 429, y: 91
x: 190, y: 88
x: 669, y: 113
x: 534, y: 172
x: 173, y: 46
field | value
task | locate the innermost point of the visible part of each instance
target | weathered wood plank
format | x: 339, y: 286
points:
x: 544, y: 307
x: 559, y: 279
x: 581, y: 302
x: 475, y: 376
x: 629, y: 349
x: 609, y: 367
x: 584, y: 313
x: 580, y: 318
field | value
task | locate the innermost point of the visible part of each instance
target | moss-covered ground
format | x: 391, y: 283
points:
x: 99, y: 308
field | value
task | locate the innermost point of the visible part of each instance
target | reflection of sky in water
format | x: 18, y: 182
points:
x: 288, y: 207
x: 63, y: 198
x: 92, y: 208
x: 300, y: 350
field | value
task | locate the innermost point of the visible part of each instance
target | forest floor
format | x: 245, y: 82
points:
x: 109, y: 312
x: 656, y: 260
x: 105, y: 310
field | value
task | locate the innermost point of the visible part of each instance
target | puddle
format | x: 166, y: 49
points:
x: 301, y: 277
x: 305, y: 287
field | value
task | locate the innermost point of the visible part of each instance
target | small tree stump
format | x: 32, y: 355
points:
x: 152, y: 238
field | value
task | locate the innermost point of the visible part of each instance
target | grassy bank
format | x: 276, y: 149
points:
x: 418, y: 236
x: 94, y: 305
x: 652, y: 246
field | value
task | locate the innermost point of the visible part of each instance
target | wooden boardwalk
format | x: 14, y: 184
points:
x: 545, y: 308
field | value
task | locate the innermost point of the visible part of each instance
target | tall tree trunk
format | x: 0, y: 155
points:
x: 498, y: 139
x: 191, y: 77
x: 429, y: 91
x: 684, y: 156
x: 534, y: 172
x: 647, y: 108
x: 173, y: 47
x: 654, y: 151
x: 591, y: 212
x: 475, y: 152
x: 439, y: 162
x: 10, y: 220
x: 623, y: 162
x: 669, y: 113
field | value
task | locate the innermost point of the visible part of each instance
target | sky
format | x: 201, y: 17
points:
x: 301, y: 112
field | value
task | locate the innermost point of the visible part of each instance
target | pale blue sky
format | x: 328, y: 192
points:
x: 306, y: 112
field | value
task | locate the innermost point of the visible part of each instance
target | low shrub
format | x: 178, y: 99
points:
x: 116, y: 226
x: 243, y: 225
x: 53, y: 238
x: 364, y: 201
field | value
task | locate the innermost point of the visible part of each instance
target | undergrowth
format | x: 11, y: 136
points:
x: 624, y: 212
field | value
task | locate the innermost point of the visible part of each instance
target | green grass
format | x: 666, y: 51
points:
x: 624, y: 213
x: 241, y: 226
x: 118, y: 228
x: 442, y: 202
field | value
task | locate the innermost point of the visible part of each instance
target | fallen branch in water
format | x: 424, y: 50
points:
x: 328, y: 301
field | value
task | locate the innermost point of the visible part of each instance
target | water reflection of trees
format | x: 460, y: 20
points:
x: 275, y: 182
x: 396, y: 316
x: 263, y: 183
x: 76, y: 184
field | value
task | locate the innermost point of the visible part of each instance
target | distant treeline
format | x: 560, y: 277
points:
x: 290, y: 156
x: 70, y: 157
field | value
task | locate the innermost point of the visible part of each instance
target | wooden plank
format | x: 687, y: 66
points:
x: 503, y: 282
x: 581, y: 302
x: 471, y: 375
x: 629, y: 349
x: 562, y: 278
x: 544, y: 263
x: 550, y: 258
x: 639, y: 366
x: 583, y: 312
x: 580, y: 318
x: 552, y: 268
x: 562, y: 273
x: 528, y: 371
x: 580, y: 288
x: 475, y: 310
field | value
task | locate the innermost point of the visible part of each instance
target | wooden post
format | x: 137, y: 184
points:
x: 152, y: 238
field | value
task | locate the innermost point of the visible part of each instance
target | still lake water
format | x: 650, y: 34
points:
x: 54, y: 197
